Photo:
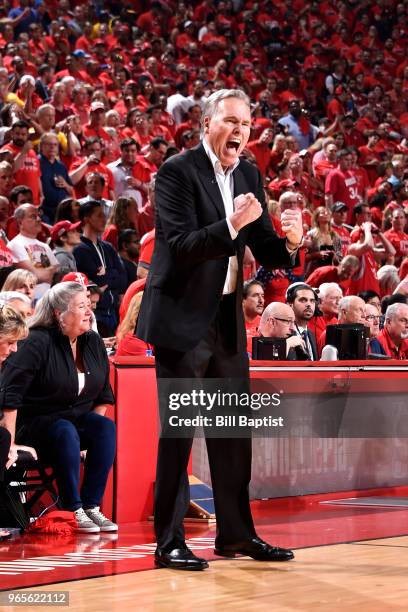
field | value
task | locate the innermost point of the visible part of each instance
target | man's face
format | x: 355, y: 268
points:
x: 345, y: 162
x: 294, y: 109
x: 397, y: 326
x: 19, y: 136
x: 49, y: 147
x: 95, y: 150
x: 281, y: 324
x: 372, y: 317
x: 266, y: 136
x: 195, y: 113
x: 129, y: 155
x: 98, y: 117
x: 304, y: 305
x: 329, y: 304
x: 355, y: 312
x: 198, y: 88
x: 157, y: 155
x: 346, y: 270
x: 227, y: 131
x: 94, y: 187
x: 254, y: 303
x: 47, y: 118
x: 94, y: 299
x: 339, y: 217
x: 132, y: 247
x: 398, y: 220
x: 96, y: 220
x: 31, y: 222
x: 6, y: 181
x: 73, y: 237
x: 295, y: 164
x: 331, y: 152
x: 365, y: 215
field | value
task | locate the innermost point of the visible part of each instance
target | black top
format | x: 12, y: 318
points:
x: 40, y: 380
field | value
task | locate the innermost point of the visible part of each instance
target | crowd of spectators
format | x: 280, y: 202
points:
x: 96, y: 96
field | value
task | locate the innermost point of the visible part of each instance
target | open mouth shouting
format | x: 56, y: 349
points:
x: 233, y: 145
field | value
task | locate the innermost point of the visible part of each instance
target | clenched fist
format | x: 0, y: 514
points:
x: 247, y: 209
x: 291, y: 220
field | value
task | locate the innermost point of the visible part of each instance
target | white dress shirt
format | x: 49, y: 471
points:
x: 225, y: 182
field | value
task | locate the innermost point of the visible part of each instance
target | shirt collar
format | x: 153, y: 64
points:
x: 215, y: 162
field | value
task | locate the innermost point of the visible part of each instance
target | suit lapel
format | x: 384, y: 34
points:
x: 207, y: 177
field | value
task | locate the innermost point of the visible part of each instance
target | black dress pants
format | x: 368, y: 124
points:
x: 5, y: 442
x: 229, y: 458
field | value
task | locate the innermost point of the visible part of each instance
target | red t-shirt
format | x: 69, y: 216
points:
x: 6, y: 256
x: 80, y: 191
x: 399, y: 241
x: 366, y: 277
x: 344, y: 235
x: 29, y: 173
x: 262, y: 154
x: 403, y: 271
x: 327, y: 274
x: 344, y: 188
x: 136, y: 287
x: 318, y: 324
x: 390, y: 347
x: 251, y: 328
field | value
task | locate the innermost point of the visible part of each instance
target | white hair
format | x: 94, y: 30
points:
x: 346, y: 302
x: 325, y: 288
x: 388, y: 278
x: 392, y: 311
x: 8, y: 296
x: 56, y: 298
x: 211, y: 105
x: 27, y: 78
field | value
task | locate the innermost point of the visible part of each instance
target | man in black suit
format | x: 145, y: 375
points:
x: 303, y: 301
x: 210, y: 205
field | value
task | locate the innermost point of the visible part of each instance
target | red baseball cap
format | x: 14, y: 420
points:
x: 62, y: 227
x: 78, y: 277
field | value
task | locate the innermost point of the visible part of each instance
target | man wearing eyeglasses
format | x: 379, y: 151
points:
x: 278, y: 321
x: 394, y: 337
x: 372, y: 321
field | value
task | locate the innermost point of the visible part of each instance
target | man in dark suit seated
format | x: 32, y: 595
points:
x: 210, y: 205
x: 278, y: 321
x: 303, y: 301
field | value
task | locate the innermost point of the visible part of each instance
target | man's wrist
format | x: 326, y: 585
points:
x: 292, y: 247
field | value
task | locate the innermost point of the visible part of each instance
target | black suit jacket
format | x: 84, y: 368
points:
x: 192, y: 247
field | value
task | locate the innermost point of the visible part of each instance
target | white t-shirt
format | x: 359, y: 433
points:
x: 38, y: 253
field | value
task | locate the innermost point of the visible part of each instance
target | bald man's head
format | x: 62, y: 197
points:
x: 277, y: 321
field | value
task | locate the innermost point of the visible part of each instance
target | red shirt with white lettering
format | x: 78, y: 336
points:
x: 343, y: 187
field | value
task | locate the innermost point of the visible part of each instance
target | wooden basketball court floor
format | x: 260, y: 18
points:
x: 347, y: 558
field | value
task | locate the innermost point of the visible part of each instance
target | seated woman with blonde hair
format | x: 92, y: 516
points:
x: 12, y: 329
x: 128, y: 344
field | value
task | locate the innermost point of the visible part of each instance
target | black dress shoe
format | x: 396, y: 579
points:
x: 179, y: 558
x: 257, y: 549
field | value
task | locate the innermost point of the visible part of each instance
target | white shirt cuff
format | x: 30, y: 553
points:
x: 233, y: 232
